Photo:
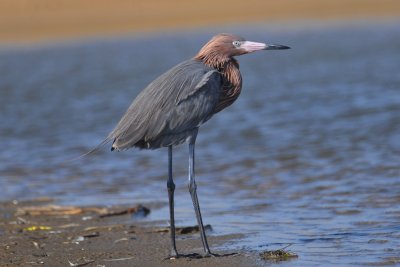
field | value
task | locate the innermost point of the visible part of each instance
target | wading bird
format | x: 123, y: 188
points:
x: 170, y: 110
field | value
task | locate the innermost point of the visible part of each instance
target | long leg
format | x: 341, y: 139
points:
x: 171, y: 189
x: 193, y: 194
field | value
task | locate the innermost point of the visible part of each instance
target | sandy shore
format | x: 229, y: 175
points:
x: 41, y: 233
x: 34, y: 20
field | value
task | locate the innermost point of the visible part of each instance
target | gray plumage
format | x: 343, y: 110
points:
x: 170, y: 109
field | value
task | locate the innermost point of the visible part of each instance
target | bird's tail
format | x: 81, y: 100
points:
x: 91, y: 151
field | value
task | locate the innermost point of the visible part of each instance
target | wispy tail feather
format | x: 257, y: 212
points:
x: 92, y: 151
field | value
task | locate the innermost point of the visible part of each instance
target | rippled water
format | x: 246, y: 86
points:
x: 308, y: 155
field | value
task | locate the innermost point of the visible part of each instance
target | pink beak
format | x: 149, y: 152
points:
x: 254, y: 46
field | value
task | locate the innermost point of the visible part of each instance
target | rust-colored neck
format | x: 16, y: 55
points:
x: 232, y: 79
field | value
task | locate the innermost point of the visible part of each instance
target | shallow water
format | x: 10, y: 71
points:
x: 308, y: 155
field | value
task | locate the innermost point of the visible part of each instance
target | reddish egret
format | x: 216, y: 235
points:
x: 170, y: 110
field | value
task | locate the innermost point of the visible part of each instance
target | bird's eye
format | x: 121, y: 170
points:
x: 236, y: 43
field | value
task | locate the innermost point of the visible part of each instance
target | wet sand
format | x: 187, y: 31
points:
x: 33, y: 21
x: 76, y: 236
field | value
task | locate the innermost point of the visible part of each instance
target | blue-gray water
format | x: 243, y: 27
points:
x: 308, y: 155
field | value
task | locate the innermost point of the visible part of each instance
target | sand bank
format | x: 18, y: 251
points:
x: 42, y: 20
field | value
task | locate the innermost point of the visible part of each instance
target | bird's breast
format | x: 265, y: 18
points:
x: 232, y: 85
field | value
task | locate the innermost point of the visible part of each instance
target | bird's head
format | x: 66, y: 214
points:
x: 229, y: 45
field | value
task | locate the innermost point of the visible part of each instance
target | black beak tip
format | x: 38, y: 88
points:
x: 284, y: 47
x: 276, y: 47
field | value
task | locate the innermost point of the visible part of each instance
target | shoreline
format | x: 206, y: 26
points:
x: 47, y: 21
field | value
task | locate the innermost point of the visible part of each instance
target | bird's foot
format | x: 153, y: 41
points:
x: 211, y: 255
x: 208, y: 254
x: 173, y: 255
x: 198, y: 256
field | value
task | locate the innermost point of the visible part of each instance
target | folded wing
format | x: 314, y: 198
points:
x: 170, y: 109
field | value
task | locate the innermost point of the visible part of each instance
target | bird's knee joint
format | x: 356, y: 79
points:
x: 170, y: 186
x: 192, y: 187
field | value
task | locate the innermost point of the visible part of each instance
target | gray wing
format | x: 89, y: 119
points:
x: 170, y: 108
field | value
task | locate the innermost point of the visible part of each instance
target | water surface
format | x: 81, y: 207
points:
x: 308, y: 155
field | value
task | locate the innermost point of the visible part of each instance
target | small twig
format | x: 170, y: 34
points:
x: 120, y: 259
x: 287, y: 246
x: 80, y: 264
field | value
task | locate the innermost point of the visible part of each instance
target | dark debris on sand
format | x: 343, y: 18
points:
x: 278, y: 255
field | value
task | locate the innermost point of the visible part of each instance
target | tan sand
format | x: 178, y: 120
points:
x: 77, y: 236
x: 41, y: 20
